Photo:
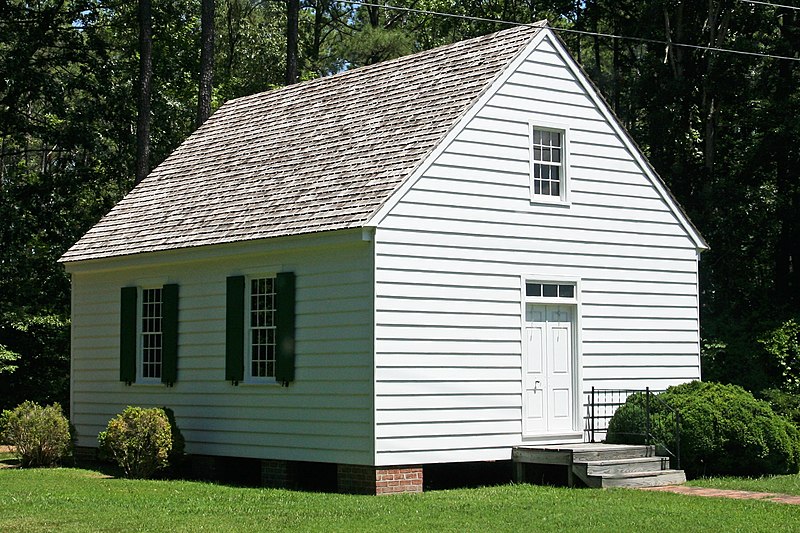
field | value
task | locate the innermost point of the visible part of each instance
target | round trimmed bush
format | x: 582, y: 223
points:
x: 627, y: 426
x: 139, y: 440
x: 724, y: 430
x: 40, y: 435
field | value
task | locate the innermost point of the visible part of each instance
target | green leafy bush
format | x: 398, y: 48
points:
x: 40, y: 435
x: 139, y: 440
x: 785, y: 404
x: 34, y: 359
x: 724, y: 430
x: 627, y: 426
x: 782, y: 345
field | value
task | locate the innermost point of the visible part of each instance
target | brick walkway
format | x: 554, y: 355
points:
x: 734, y: 494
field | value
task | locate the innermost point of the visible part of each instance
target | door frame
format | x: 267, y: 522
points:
x: 577, y: 353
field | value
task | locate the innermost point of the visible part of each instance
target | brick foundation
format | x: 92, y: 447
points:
x: 360, y: 479
x: 277, y: 474
x: 85, y: 454
x: 204, y: 467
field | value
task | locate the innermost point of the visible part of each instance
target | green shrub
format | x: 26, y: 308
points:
x: 724, y: 430
x: 785, y: 404
x: 40, y: 435
x: 627, y: 426
x: 139, y: 440
x: 782, y: 345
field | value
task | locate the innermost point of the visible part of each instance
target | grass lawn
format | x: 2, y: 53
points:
x: 69, y: 499
x: 779, y: 484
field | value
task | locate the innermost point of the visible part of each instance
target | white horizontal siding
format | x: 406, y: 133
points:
x: 324, y: 415
x: 450, y: 256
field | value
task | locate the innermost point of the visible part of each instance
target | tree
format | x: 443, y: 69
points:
x: 67, y: 154
x: 292, y: 29
x: 250, y: 51
x: 145, y: 81
x: 206, y: 61
x: 784, y: 149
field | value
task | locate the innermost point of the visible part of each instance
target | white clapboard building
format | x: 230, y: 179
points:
x: 426, y: 260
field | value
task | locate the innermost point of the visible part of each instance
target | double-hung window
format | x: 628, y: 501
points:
x: 549, y: 170
x: 260, y: 328
x: 149, y: 334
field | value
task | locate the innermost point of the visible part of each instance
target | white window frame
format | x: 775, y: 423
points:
x: 140, y: 377
x: 248, y: 330
x: 564, y: 183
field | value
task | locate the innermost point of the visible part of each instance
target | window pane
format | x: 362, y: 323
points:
x: 533, y: 289
x: 537, y: 136
x: 554, y: 189
x: 546, y: 187
x: 556, y: 137
x: 556, y: 155
x: 550, y: 291
x: 566, y: 291
x: 537, y: 153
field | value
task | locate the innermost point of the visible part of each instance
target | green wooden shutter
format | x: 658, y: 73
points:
x: 284, y: 327
x: 234, y: 330
x: 169, y: 334
x: 127, y: 334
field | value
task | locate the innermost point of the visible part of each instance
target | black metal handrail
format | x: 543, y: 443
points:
x: 603, y: 403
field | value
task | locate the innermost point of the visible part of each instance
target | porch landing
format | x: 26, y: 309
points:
x: 599, y: 465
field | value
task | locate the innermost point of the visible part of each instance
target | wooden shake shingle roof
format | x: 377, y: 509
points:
x: 316, y: 156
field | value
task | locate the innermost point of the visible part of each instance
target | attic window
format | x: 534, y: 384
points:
x: 548, y: 164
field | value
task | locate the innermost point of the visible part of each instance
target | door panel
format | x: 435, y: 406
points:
x: 561, y: 405
x: 549, y: 395
x: 534, y: 374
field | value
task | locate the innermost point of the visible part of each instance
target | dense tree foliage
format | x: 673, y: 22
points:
x: 719, y: 128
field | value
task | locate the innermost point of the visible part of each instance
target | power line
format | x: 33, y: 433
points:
x: 578, y: 32
x: 796, y: 8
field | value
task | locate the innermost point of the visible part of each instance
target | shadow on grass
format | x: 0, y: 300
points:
x: 102, y: 468
x: 8, y: 461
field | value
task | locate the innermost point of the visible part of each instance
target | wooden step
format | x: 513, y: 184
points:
x: 656, y: 478
x: 602, y: 465
x: 621, y: 466
x: 609, y: 452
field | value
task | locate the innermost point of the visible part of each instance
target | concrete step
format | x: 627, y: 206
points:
x: 609, y: 452
x: 656, y: 478
x: 622, y: 466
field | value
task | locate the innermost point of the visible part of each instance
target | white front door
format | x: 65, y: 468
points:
x: 549, y: 401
